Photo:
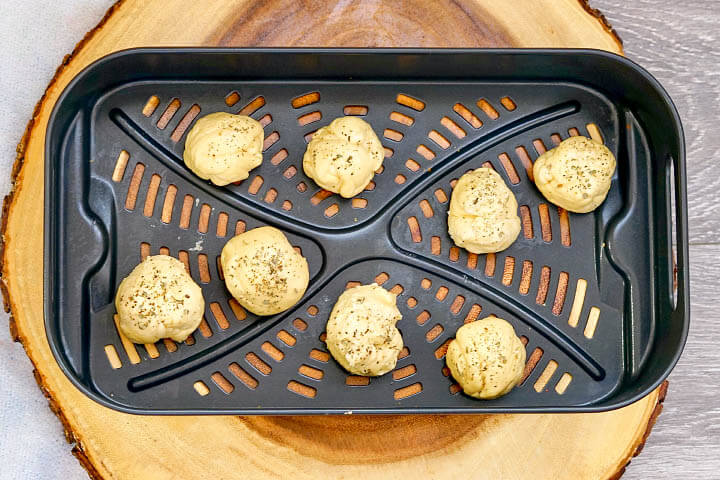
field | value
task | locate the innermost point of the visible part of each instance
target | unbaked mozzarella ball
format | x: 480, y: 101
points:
x: 486, y: 358
x: 343, y: 156
x: 483, y: 214
x: 575, y: 175
x: 361, y: 333
x: 223, y: 147
x: 263, y: 271
x: 159, y: 300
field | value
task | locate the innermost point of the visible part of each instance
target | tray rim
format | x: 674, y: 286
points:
x: 681, y: 309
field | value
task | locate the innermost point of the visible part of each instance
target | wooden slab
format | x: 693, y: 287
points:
x: 115, y: 445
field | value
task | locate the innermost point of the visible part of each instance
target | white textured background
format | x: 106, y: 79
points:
x: 678, y: 41
x: 35, y: 35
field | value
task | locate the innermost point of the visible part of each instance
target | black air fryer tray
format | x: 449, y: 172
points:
x: 592, y: 295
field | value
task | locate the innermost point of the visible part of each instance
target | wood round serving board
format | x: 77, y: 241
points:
x: 110, y: 444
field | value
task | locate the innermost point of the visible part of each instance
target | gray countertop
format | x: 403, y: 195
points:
x: 679, y: 42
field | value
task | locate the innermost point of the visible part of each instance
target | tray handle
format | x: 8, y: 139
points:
x: 677, y: 233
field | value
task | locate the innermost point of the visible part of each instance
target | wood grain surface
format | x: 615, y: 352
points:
x: 685, y: 443
x: 108, y: 443
x: 679, y: 44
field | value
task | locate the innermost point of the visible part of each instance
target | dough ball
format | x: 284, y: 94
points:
x: 486, y: 358
x: 159, y: 300
x: 343, y: 156
x: 263, y: 271
x: 223, y: 147
x: 361, y: 332
x: 575, y: 175
x: 483, y: 212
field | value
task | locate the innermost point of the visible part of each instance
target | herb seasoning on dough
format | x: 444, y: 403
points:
x: 483, y: 212
x: 159, y: 300
x: 263, y: 271
x: 343, y: 156
x: 576, y: 175
x: 486, y: 358
x: 223, y: 147
x: 361, y: 332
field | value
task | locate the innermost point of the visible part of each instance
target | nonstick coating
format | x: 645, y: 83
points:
x: 117, y: 189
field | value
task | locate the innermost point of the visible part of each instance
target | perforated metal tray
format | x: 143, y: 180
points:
x: 592, y: 295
